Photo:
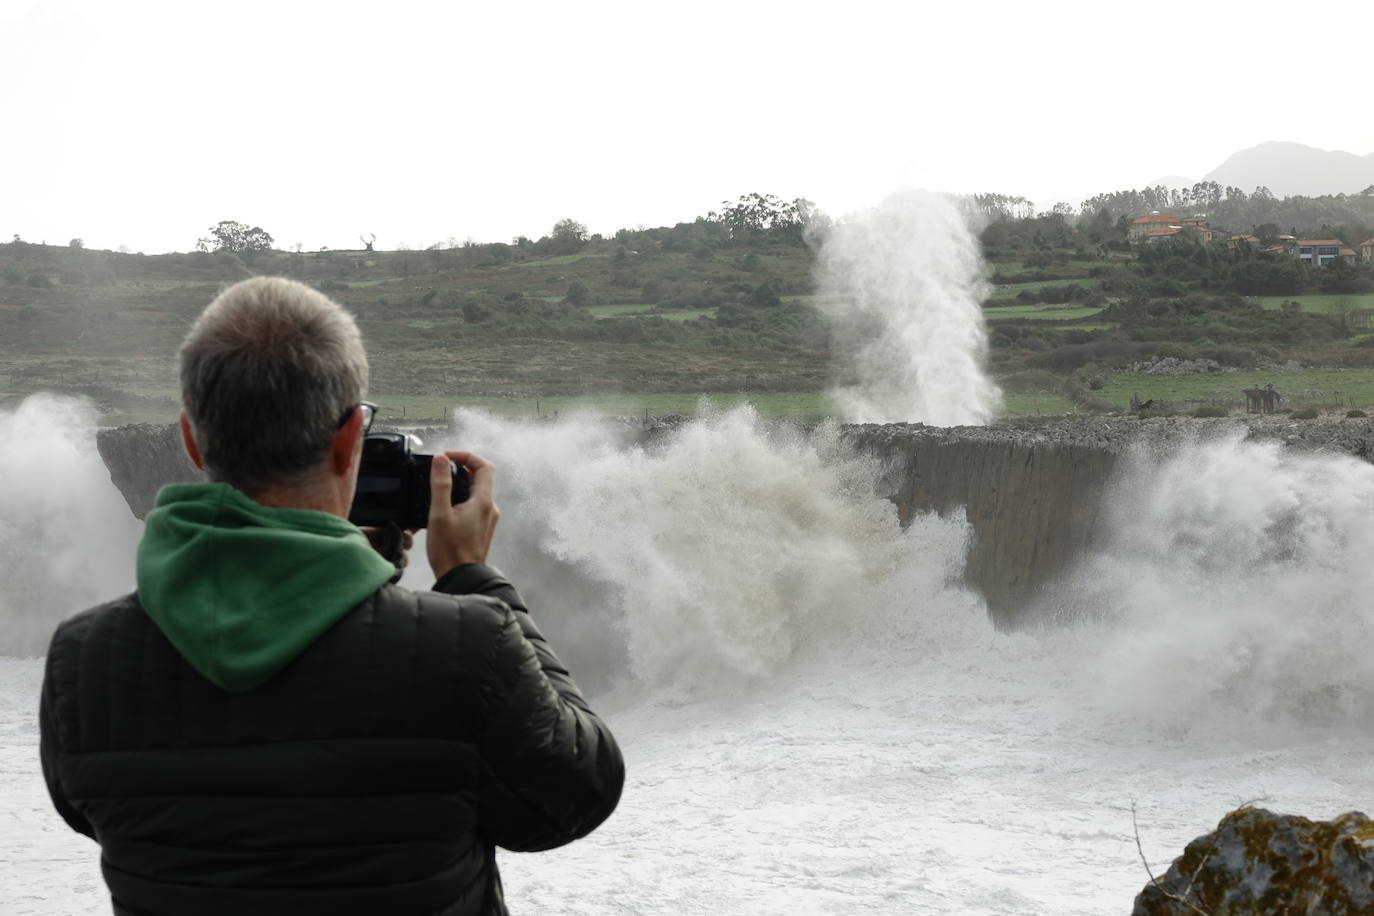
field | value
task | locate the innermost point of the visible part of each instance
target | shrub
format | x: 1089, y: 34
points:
x: 1205, y: 412
x: 39, y: 281
x: 1307, y: 413
x: 1356, y: 414
x: 578, y: 294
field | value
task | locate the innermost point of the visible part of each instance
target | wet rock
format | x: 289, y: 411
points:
x: 142, y: 458
x: 1260, y: 862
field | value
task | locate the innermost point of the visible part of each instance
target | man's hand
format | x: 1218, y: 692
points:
x: 462, y: 533
x: 391, y: 542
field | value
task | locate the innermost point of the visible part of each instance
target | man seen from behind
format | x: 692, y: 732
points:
x: 269, y: 725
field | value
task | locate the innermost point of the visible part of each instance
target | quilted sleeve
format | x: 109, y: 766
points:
x: 553, y: 771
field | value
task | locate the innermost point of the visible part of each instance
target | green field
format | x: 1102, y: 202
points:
x: 1072, y: 268
x: 1343, y: 387
x: 1024, y: 405
x: 690, y: 315
x: 647, y: 311
x: 794, y: 405
x: 606, y: 311
x: 1320, y: 302
x: 555, y: 261
x: 1039, y: 312
x: 1009, y: 290
x: 800, y: 405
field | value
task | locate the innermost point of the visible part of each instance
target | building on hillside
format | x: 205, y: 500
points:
x: 1367, y: 250
x: 1205, y: 232
x: 1162, y: 234
x: 1158, y: 227
x: 1236, y: 242
x: 1320, y: 252
x: 1153, y: 224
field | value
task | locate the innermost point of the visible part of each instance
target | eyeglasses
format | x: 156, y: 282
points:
x: 369, y: 412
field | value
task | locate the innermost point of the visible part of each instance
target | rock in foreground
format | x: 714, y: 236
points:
x: 1260, y: 862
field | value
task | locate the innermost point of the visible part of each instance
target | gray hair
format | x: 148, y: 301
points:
x: 267, y: 371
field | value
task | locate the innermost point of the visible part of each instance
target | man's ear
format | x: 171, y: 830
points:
x: 190, y: 443
x: 343, y: 450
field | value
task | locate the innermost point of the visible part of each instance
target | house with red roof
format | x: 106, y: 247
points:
x: 1153, y: 226
x: 1367, y: 250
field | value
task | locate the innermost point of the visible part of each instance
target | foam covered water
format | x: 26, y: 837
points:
x: 1236, y: 588
x: 816, y: 715
x: 720, y: 551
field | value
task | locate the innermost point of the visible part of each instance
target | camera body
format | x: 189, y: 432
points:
x: 393, y: 483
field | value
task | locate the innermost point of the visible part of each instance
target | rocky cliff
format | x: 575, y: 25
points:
x: 1033, y: 501
x: 143, y: 457
x: 1033, y: 491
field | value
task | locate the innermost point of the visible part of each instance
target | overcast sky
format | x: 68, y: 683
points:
x: 144, y: 122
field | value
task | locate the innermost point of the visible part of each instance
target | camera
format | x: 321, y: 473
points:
x: 393, y: 483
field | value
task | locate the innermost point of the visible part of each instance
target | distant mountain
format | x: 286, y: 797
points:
x: 1292, y: 168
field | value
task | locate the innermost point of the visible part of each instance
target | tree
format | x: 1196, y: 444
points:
x: 76, y: 244
x: 755, y: 215
x: 578, y: 294
x: 568, y: 236
x: 236, y: 238
x: 1207, y: 194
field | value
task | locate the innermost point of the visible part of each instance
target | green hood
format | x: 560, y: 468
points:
x: 242, y: 589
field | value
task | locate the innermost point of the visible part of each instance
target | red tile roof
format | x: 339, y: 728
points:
x: 1156, y: 218
x: 1315, y: 242
x: 1368, y: 243
x: 1347, y: 253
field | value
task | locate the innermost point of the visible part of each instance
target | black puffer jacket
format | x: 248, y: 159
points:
x: 375, y: 774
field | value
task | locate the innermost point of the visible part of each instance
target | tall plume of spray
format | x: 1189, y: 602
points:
x: 67, y: 538
x: 902, y: 285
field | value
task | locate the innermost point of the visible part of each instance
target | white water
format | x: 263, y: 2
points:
x: 816, y: 719
x: 902, y: 286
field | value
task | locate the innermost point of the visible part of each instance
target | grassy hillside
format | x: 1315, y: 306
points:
x: 652, y: 320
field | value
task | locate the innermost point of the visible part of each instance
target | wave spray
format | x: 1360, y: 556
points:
x: 902, y: 285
